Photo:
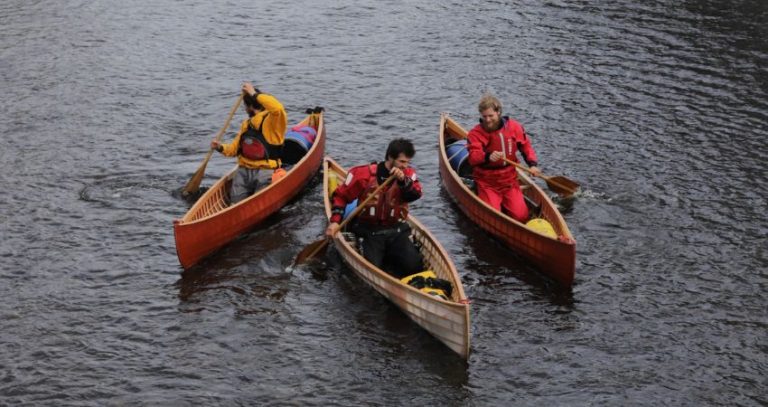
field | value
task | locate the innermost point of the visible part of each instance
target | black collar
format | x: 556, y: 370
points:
x: 382, y: 173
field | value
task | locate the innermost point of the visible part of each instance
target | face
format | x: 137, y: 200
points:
x: 402, y: 162
x: 490, y: 119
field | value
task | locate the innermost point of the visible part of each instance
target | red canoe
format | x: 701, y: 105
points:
x: 554, y: 256
x: 212, y: 223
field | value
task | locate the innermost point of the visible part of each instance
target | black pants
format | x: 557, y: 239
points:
x: 389, y: 248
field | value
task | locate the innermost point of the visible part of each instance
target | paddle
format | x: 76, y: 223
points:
x: 194, y: 183
x: 317, y: 246
x: 562, y: 186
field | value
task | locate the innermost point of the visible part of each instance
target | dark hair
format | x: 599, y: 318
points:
x: 251, y: 101
x: 400, y: 146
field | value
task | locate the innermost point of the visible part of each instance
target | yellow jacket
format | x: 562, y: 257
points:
x: 273, y: 129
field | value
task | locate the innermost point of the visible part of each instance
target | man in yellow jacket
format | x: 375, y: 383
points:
x: 258, y: 144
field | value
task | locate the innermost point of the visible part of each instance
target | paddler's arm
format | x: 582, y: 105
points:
x: 276, y: 122
x: 230, y: 150
x: 529, y: 154
x: 343, y: 195
x: 476, y: 154
x: 337, y: 212
x: 409, y: 185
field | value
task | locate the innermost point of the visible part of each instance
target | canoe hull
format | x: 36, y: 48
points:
x: 555, y: 257
x: 211, y: 224
x: 448, y: 321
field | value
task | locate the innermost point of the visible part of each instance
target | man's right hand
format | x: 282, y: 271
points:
x: 496, y: 156
x: 333, y: 227
x: 215, y: 145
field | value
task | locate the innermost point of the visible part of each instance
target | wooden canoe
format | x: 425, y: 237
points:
x: 555, y: 257
x: 448, y: 321
x: 212, y: 222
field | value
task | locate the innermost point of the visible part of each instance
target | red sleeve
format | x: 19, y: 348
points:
x: 477, y: 141
x: 410, y: 186
x: 526, y: 148
x: 354, y: 185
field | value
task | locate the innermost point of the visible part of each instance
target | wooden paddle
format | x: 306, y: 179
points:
x: 560, y: 185
x: 194, y: 183
x: 311, y: 250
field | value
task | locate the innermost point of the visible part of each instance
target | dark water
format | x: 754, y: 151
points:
x: 658, y: 108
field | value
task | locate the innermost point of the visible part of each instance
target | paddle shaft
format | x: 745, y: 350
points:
x: 561, y: 185
x: 229, y: 118
x: 505, y: 159
x: 351, y: 216
x: 522, y: 167
x: 544, y: 177
x: 361, y: 206
x: 194, y: 182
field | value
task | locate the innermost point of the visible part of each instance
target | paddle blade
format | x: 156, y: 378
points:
x: 311, y: 251
x: 194, y: 183
x: 562, y: 186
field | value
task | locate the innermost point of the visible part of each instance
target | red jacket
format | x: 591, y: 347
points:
x: 389, y: 207
x: 510, y: 138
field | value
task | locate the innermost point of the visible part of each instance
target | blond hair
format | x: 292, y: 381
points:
x: 488, y: 101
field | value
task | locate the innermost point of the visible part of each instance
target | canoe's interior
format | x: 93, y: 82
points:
x: 432, y: 255
x: 534, y: 199
x: 217, y: 199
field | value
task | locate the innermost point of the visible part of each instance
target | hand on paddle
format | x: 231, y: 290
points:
x: 332, y: 229
x: 562, y: 186
x: 248, y: 88
x: 318, y: 246
x: 215, y: 145
x: 194, y: 183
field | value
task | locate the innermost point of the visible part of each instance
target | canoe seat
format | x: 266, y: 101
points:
x: 533, y: 207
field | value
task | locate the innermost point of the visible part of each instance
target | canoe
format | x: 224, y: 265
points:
x: 554, y: 255
x: 212, y: 222
x: 446, y: 320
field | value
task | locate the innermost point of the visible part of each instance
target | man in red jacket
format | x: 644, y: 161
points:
x: 381, y: 230
x: 489, y: 143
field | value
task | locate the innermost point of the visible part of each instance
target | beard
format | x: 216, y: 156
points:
x: 491, y: 126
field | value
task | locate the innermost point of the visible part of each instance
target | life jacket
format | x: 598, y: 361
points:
x: 505, y: 139
x: 387, y: 208
x: 254, y: 146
